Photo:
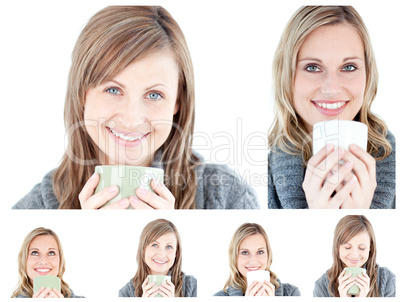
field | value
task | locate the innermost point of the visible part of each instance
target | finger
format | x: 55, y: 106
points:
x: 44, y: 293
x: 153, y: 199
x: 139, y: 204
x: 169, y: 286
x: 270, y: 287
x: 338, y: 177
x: 144, y: 283
x: 100, y: 198
x: 363, y: 168
x: 166, y: 290
x: 38, y: 292
x: 57, y: 293
x: 118, y: 205
x: 316, y: 159
x: 251, y: 288
x: 322, y: 170
x: 162, y: 190
x: 365, y: 157
x: 344, y: 194
x: 89, y: 188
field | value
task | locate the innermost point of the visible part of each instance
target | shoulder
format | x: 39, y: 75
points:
x: 220, y: 187
x: 41, y: 196
x: 230, y: 291
x: 221, y: 293
x: 73, y: 295
x: 321, y: 286
x: 189, y: 286
x: 127, y: 290
x: 386, y: 282
x: 286, y: 289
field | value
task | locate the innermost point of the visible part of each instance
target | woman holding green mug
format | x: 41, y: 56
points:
x: 354, y: 246
x: 160, y: 254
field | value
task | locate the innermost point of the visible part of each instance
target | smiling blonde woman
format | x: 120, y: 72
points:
x: 324, y: 69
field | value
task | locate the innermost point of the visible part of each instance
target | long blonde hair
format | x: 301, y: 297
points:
x: 347, y: 228
x: 150, y: 233
x: 236, y: 280
x: 114, y: 38
x: 25, y: 285
x: 287, y: 131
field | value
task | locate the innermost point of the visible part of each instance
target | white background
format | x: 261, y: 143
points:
x: 232, y: 45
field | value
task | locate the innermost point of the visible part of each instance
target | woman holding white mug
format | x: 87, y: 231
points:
x: 324, y: 69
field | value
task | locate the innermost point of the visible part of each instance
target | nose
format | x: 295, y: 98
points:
x: 132, y: 113
x: 332, y: 85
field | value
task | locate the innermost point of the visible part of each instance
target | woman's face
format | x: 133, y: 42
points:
x: 43, y: 257
x: 161, y: 254
x: 252, y: 254
x: 355, y: 252
x: 130, y: 116
x: 330, y: 76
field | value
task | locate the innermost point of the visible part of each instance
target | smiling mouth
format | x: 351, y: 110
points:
x: 330, y: 106
x: 126, y: 138
x: 253, y: 268
x: 42, y: 270
x: 159, y: 262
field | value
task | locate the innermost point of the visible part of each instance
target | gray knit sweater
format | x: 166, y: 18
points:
x: 189, y: 288
x: 218, y: 188
x: 284, y: 289
x: 286, y: 176
x: 385, y: 281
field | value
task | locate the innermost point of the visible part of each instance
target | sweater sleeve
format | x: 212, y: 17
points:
x: 127, y: 290
x: 321, y: 287
x: 223, y: 189
x: 221, y: 293
x: 273, y: 200
x: 290, y: 290
x: 387, y: 282
x: 384, y: 195
x: 190, y: 286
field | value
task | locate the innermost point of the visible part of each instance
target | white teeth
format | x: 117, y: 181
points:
x: 252, y: 268
x: 43, y: 270
x: 160, y: 262
x: 331, y: 106
x: 127, y: 138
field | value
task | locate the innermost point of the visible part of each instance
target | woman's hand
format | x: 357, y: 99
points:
x: 149, y: 289
x: 364, y: 167
x: 46, y: 292
x: 258, y: 288
x: 89, y: 200
x: 345, y: 282
x: 323, y: 176
x: 161, y: 199
x: 363, y: 282
x: 166, y: 289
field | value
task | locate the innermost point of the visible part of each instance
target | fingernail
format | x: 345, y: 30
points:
x: 124, y: 202
x: 330, y: 147
x: 141, y: 191
x: 92, y: 176
x: 353, y: 147
x: 112, y: 189
x: 353, y: 180
x: 133, y: 200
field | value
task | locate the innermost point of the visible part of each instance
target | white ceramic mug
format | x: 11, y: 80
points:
x: 339, y: 133
x: 259, y: 275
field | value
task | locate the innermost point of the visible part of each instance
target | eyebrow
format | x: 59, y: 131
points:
x: 320, y: 61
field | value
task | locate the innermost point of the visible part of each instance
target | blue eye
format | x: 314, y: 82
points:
x: 113, y: 90
x: 244, y: 253
x: 154, y: 95
x: 52, y: 253
x: 312, y: 68
x: 349, y: 68
x: 34, y: 253
x: 154, y: 245
x: 260, y: 252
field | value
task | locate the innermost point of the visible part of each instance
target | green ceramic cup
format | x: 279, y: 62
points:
x: 127, y: 178
x: 158, y: 279
x: 354, y: 290
x: 46, y: 281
